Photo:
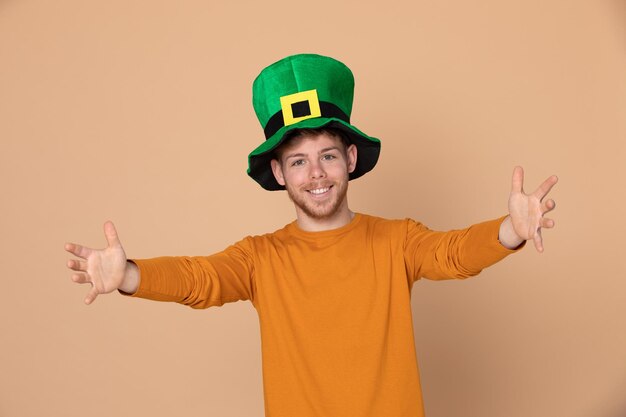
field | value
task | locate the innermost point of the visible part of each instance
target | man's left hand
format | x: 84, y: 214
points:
x: 526, y: 212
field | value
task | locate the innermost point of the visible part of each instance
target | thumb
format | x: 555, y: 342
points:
x: 111, y: 234
x: 517, y: 182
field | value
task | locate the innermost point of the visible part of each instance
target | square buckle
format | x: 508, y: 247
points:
x: 300, y: 106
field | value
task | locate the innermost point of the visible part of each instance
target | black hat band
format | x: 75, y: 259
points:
x: 301, y: 110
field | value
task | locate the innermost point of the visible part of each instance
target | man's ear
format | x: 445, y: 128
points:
x: 351, y: 153
x: 277, y: 170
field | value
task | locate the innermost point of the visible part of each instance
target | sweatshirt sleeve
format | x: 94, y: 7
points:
x: 199, y: 281
x: 453, y: 254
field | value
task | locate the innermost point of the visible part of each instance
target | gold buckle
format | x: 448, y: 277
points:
x: 286, y: 103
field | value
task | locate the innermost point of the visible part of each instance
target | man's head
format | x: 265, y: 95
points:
x: 305, y: 91
x: 314, y: 166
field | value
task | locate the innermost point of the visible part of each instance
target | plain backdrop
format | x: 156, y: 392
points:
x: 140, y: 112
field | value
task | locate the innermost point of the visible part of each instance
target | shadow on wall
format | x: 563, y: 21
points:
x: 618, y: 412
x: 615, y: 404
x: 618, y: 10
x: 621, y: 413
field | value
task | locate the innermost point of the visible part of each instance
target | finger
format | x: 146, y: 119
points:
x: 545, y: 187
x: 547, y: 223
x: 91, y: 296
x: 77, y: 265
x: 548, y: 205
x: 81, y: 278
x: 537, y: 239
x: 111, y: 234
x: 78, y: 250
x: 517, y: 183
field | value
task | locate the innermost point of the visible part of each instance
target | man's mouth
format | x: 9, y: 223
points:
x: 319, y: 191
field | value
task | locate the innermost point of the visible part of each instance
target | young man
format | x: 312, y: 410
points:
x: 332, y: 289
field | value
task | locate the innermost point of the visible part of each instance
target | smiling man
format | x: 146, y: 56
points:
x: 314, y: 167
x: 332, y: 289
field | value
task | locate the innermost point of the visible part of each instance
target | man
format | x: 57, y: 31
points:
x: 332, y: 289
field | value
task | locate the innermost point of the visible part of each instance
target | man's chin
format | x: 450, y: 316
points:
x: 322, y: 215
x: 323, y: 211
x: 316, y: 208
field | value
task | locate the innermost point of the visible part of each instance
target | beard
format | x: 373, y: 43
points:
x: 319, y: 210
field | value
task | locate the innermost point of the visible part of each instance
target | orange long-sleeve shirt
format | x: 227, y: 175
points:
x: 334, y: 307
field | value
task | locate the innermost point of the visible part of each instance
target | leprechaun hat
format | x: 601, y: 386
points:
x: 305, y: 91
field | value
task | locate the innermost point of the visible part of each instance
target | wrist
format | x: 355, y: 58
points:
x: 130, y: 284
x: 507, y: 236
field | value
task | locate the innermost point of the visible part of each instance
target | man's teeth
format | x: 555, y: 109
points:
x: 319, y: 190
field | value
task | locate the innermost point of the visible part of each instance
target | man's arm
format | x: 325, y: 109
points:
x: 526, y: 213
x: 105, y: 269
x: 198, y: 281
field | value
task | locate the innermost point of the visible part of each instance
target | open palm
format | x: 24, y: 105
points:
x: 527, y: 210
x: 104, y: 268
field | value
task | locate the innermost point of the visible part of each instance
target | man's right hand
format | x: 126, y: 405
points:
x: 105, y: 269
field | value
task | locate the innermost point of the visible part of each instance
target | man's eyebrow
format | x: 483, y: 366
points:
x: 302, y: 155
x: 295, y: 155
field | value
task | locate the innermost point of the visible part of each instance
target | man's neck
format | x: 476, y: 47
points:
x: 341, y: 218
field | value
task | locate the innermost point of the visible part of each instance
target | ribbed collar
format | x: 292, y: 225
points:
x: 294, y: 230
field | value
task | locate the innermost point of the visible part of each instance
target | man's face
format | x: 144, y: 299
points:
x: 314, y: 169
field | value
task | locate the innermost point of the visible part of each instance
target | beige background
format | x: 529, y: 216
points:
x: 140, y: 111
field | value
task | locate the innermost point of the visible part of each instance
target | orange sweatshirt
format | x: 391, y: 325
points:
x: 334, y: 307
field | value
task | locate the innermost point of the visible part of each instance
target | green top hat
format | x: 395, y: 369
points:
x: 305, y: 91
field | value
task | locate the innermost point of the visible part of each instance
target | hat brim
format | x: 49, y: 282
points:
x: 259, y: 165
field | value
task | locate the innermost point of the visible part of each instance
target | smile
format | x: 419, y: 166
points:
x: 319, y: 191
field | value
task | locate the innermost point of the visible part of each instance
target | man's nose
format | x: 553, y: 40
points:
x: 316, y: 170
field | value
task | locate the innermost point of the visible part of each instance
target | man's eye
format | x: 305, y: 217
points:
x: 297, y: 162
x: 328, y: 157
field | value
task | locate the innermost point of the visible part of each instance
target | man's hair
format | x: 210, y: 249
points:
x: 296, y: 133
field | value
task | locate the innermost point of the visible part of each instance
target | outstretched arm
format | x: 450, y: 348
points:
x: 526, y: 213
x: 105, y: 269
